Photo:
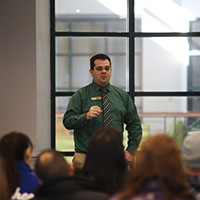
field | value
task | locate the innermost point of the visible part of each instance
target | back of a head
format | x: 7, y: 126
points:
x: 13, y: 145
x: 191, y: 149
x: 160, y: 160
x: 12, y: 148
x: 105, y: 157
x: 105, y: 150
x: 161, y: 156
x: 50, y: 165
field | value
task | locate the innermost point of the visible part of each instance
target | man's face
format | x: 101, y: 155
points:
x: 102, y: 72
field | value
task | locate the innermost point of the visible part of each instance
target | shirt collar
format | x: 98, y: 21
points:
x: 98, y: 87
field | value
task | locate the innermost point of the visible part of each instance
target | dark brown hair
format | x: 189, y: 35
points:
x: 4, y: 189
x: 105, y: 159
x: 100, y: 57
x: 12, y: 148
x: 160, y: 160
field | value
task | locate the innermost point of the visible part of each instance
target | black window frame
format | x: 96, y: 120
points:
x: 131, y: 35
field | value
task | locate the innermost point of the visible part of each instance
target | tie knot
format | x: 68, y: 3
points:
x: 104, y: 90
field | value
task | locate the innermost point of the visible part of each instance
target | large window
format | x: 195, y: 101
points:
x: 155, y: 51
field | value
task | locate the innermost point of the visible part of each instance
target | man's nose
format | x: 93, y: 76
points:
x: 103, y: 70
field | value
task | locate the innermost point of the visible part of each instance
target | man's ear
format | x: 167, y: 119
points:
x: 91, y: 71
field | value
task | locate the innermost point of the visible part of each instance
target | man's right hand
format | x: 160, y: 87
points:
x: 93, y: 112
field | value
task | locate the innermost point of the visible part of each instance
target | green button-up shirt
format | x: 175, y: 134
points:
x: 122, y: 108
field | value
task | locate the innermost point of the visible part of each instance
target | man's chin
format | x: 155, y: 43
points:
x: 104, y: 83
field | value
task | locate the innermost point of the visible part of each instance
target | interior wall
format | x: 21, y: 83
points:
x: 18, y: 71
x: 43, y: 74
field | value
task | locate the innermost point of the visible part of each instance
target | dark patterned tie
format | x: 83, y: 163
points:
x: 106, y: 108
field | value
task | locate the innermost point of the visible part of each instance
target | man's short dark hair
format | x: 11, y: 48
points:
x: 100, y: 57
x: 50, y: 165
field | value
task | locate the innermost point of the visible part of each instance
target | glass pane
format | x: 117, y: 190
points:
x: 62, y: 45
x: 167, y: 15
x: 175, y: 116
x: 167, y: 64
x: 72, y: 60
x: 91, y: 16
x: 64, y: 137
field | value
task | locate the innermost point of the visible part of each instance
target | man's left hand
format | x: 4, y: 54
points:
x: 129, y: 157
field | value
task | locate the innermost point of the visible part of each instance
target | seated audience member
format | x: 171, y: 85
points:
x: 16, y: 149
x: 56, y: 182
x: 105, y: 161
x: 157, y: 174
x: 51, y: 165
x: 4, y: 189
x: 191, y: 154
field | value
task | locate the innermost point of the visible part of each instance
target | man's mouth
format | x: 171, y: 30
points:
x: 103, y: 77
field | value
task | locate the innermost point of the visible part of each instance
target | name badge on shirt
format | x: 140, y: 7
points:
x: 95, y: 98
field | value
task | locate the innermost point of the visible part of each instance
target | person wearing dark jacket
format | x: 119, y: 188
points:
x: 57, y: 183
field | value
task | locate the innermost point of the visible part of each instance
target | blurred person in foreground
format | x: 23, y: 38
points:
x: 157, y: 173
x: 58, y: 183
x: 4, y: 188
x: 191, y: 155
x: 16, y: 150
x: 105, y: 161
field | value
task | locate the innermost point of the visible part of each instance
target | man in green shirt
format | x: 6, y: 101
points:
x: 85, y: 113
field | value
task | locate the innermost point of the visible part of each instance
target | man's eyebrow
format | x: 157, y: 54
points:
x: 107, y: 66
x: 104, y: 66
